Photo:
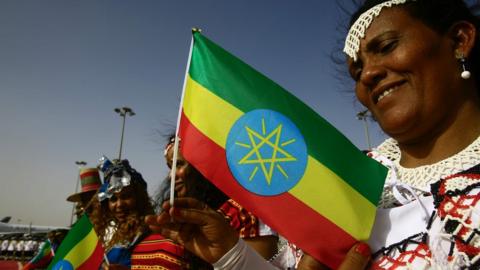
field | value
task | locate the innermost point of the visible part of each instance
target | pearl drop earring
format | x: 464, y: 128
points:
x: 465, y: 73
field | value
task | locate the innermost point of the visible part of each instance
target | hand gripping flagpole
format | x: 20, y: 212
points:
x: 175, y: 145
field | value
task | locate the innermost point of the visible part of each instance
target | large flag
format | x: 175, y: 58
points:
x: 81, y: 248
x: 42, y: 259
x: 274, y: 155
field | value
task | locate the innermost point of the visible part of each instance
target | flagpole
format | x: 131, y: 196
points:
x: 175, y: 145
x: 105, y: 259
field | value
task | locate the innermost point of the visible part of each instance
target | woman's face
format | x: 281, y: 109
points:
x: 407, y: 76
x: 181, y: 173
x: 123, y: 203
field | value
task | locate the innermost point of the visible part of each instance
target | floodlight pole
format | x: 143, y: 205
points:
x: 363, y: 115
x: 123, y: 112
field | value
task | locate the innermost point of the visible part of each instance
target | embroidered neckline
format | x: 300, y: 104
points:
x: 421, y: 177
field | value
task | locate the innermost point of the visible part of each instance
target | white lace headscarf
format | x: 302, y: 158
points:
x: 358, y: 29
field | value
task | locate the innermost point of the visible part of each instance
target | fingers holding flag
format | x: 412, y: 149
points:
x: 193, y: 224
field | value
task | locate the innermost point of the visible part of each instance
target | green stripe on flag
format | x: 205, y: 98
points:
x: 44, y: 251
x: 78, y: 232
x: 82, y: 250
x: 239, y: 84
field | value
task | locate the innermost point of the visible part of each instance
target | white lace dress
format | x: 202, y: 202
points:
x: 429, y: 216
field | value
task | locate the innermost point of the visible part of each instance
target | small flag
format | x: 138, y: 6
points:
x: 42, y: 259
x: 81, y: 248
x: 275, y: 156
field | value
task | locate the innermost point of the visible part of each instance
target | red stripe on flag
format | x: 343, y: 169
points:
x: 301, y: 224
x: 42, y: 263
x: 94, y: 261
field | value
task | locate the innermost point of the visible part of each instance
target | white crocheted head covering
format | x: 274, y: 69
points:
x: 358, y: 29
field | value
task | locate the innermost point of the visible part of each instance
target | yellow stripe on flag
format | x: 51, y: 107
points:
x: 83, y: 250
x: 209, y: 112
x: 319, y: 186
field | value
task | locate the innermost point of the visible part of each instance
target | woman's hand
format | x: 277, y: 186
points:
x: 191, y: 223
x: 357, y: 259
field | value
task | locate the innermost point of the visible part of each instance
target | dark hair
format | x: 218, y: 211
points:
x: 202, y: 189
x: 102, y: 218
x: 439, y: 15
x: 197, y: 186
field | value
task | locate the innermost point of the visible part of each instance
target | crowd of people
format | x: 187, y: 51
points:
x: 416, y: 67
x: 19, y: 246
x: 118, y: 205
x: 118, y: 215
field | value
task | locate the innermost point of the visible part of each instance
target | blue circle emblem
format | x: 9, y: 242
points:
x: 266, y: 152
x: 63, y: 265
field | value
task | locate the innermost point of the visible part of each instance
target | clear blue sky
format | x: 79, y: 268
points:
x: 65, y: 65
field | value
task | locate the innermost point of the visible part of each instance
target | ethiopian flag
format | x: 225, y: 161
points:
x: 80, y: 249
x: 275, y: 156
x: 42, y: 259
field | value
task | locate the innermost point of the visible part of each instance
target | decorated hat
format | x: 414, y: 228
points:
x: 90, y: 182
x: 117, y: 176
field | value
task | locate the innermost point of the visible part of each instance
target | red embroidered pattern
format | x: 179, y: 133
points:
x: 455, y: 200
x: 455, y: 210
x: 404, y: 259
x: 240, y: 219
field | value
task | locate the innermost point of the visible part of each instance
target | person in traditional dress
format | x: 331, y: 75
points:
x: 118, y: 217
x: 118, y: 212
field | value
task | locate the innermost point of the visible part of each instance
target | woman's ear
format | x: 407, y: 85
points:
x: 464, y: 35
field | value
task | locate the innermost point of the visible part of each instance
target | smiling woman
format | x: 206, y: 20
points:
x: 118, y: 218
x: 415, y: 65
x: 122, y: 203
x: 408, y: 76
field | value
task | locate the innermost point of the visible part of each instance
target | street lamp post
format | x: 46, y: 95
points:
x: 363, y: 115
x: 124, y: 111
x: 80, y: 164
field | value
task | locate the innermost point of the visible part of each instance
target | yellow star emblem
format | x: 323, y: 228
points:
x: 268, y: 164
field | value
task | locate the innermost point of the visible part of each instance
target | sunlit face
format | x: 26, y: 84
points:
x: 123, y: 203
x: 406, y: 76
x: 181, y: 173
x: 83, y: 202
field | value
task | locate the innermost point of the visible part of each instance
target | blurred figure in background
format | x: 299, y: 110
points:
x: 90, y: 183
